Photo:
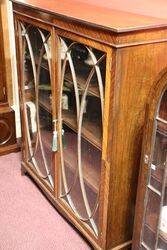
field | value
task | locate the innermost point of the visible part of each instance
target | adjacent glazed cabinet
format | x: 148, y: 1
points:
x: 150, y: 231
x: 83, y: 91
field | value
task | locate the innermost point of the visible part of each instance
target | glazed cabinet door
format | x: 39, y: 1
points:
x: 36, y: 98
x: 80, y: 120
x: 153, y: 230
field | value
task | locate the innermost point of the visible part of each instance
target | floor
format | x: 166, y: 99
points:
x: 27, y: 219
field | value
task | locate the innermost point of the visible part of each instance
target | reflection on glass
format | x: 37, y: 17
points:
x: 37, y: 98
x: 154, y: 230
x: 81, y: 113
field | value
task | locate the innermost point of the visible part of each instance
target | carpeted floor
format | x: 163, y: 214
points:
x: 27, y: 219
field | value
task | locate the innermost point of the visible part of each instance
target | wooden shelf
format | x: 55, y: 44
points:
x: 148, y: 237
x: 90, y: 130
x: 151, y: 221
x: 93, y: 89
x: 91, y: 162
x: 156, y: 174
x: 45, y: 103
x: 163, y: 236
x: 152, y: 224
x: 77, y: 198
x: 44, y: 63
x: 46, y: 137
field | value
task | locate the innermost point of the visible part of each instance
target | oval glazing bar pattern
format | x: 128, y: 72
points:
x: 37, y: 98
x: 81, y: 115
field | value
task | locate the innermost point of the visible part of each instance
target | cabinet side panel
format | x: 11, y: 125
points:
x: 136, y: 70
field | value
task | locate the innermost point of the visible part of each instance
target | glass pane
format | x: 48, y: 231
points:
x: 162, y: 235
x: 82, y: 100
x: 154, y: 231
x: 143, y: 248
x: 151, y: 219
x: 45, y: 106
x: 37, y: 98
x: 162, y: 128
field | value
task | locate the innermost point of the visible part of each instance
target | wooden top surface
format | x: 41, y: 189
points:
x: 95, y: 15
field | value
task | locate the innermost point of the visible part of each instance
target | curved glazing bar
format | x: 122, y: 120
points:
x: 35, y: 61
x: 27, y: 41
x: 74, y: 79
x: 46, y: 49
x: 80, y: 99
x: 80, y: 168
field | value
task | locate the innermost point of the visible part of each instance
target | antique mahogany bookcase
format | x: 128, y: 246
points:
x: 7, y: 115
x: 85, y: 74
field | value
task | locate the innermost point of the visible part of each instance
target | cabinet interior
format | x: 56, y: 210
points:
x: 80, y: 127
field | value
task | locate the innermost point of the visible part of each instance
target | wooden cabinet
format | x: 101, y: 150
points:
x: 150, y: 230
x: 84, y: 82
x: 7, y: 115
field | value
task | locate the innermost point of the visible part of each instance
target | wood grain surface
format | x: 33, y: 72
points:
x: 105, y: 17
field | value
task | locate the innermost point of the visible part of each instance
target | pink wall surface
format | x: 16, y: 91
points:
x: 155, y: 8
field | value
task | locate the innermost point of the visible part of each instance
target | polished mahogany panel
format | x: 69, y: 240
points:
x: 105, y: 17
x: 143, y: 7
